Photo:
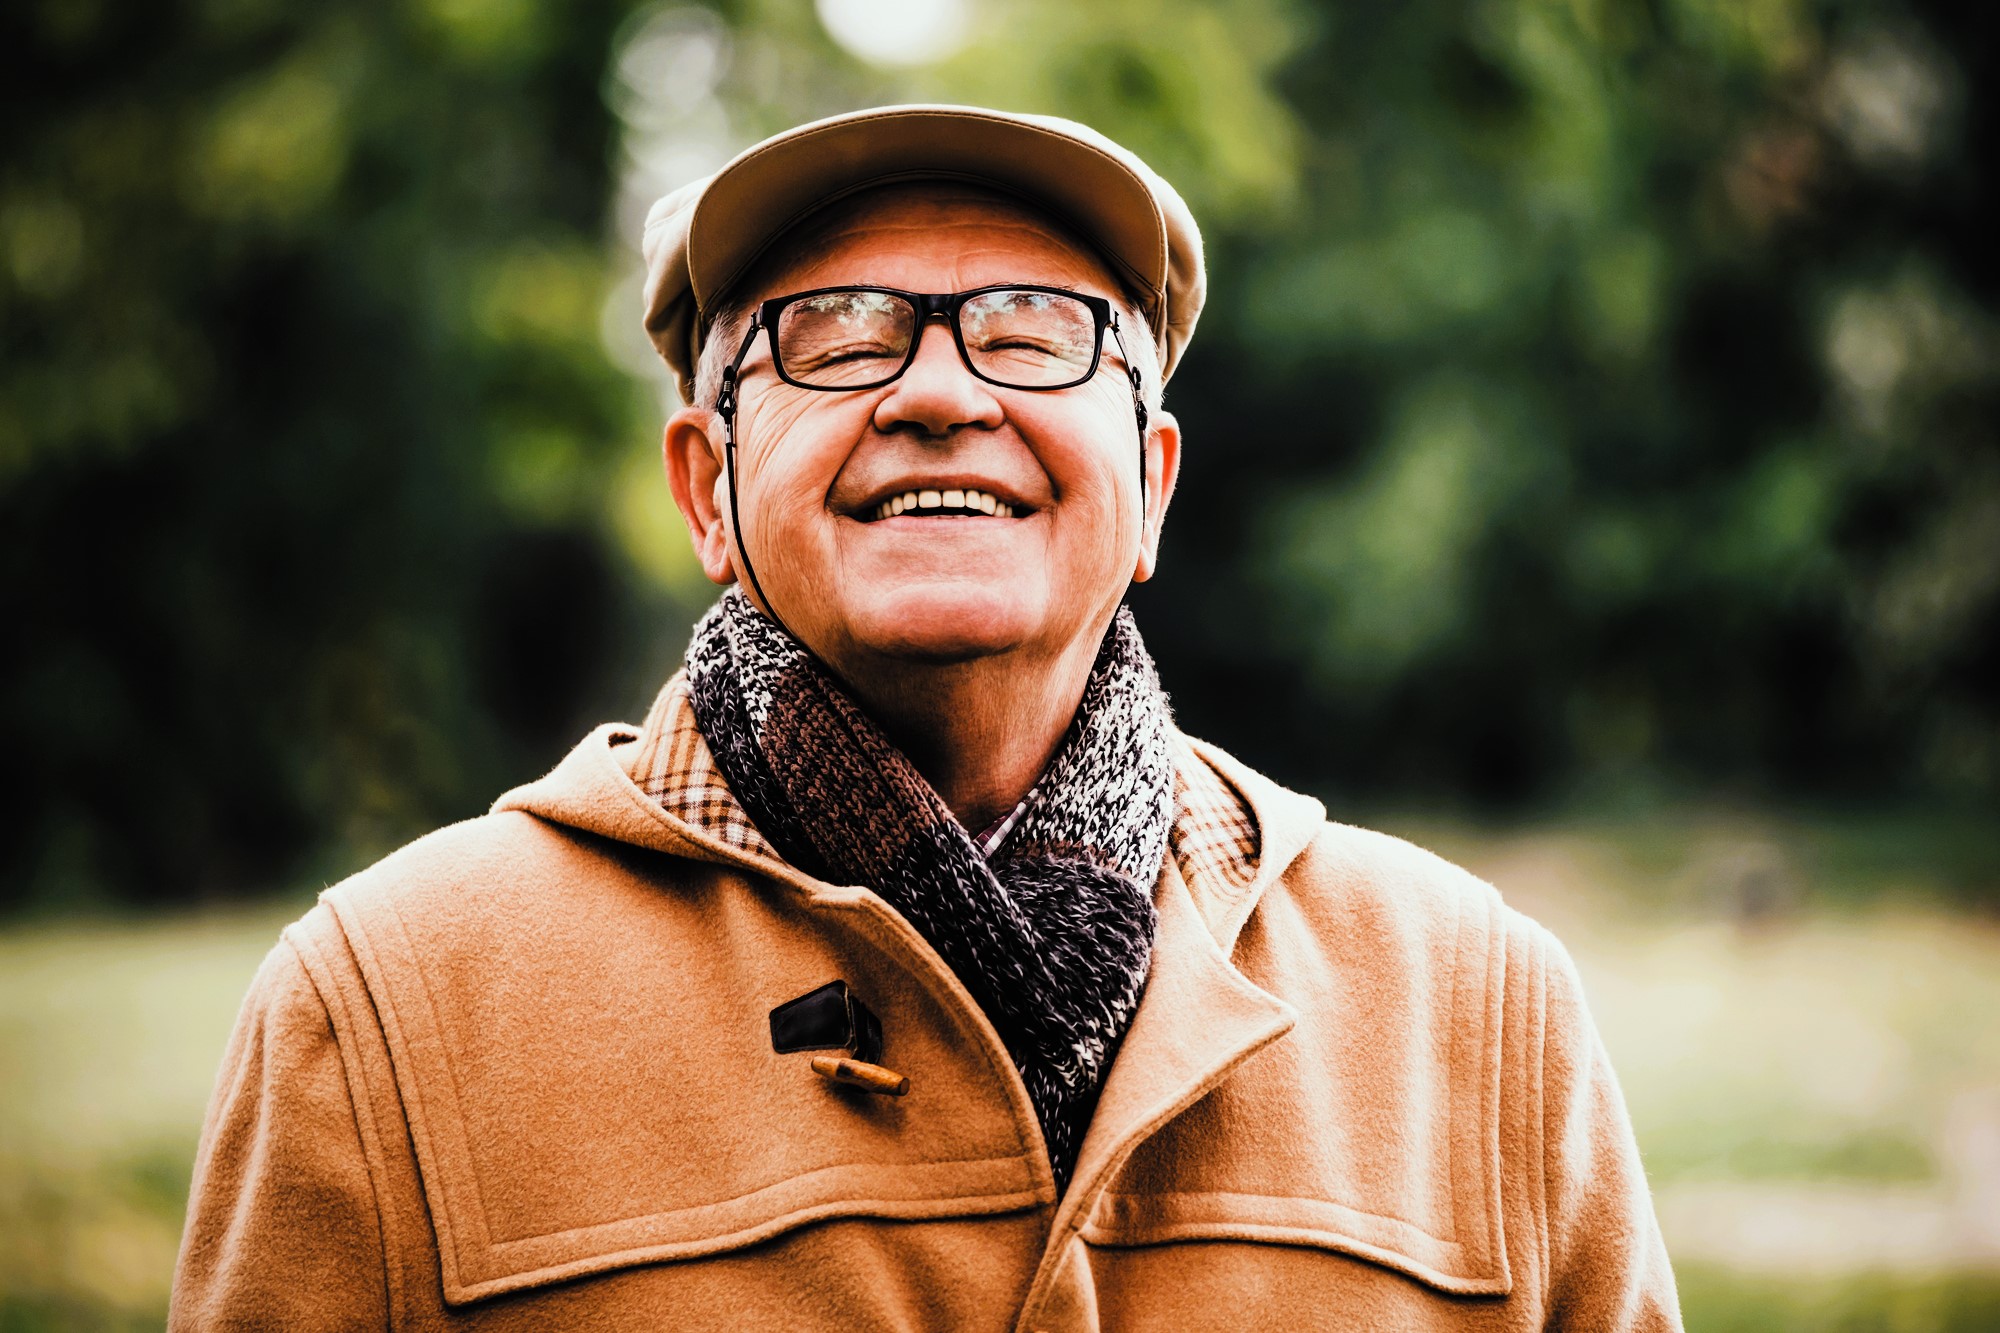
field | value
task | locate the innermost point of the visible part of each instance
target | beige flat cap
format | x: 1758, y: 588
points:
x: 703, y: 237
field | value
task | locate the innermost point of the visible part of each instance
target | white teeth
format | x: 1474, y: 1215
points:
x: 911, y: 501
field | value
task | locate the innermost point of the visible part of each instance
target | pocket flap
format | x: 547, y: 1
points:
x: 1446, y: 1265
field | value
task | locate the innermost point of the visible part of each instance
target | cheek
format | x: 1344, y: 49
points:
x: 1095, y: 472
x: 789, y: 456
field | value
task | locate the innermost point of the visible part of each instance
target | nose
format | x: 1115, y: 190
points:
x: 938, y: 393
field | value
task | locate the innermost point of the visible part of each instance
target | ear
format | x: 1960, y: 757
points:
x: 1163, y: 469
x: 694, y: 456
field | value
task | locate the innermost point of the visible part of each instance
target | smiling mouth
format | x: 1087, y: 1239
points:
x: 952, y: 503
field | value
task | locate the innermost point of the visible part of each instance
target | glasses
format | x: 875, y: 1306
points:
x: 853, y: 338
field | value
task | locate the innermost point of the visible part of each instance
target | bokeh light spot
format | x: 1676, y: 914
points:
x: 897, y: 32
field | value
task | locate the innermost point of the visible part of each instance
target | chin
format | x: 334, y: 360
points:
x: 942, y: 624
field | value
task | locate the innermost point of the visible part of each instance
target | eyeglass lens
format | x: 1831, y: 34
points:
x: 858, y: 339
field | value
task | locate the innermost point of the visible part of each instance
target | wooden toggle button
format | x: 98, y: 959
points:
x: 861, y: 1074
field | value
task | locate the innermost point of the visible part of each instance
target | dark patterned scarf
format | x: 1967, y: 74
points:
x: 1053, y: 935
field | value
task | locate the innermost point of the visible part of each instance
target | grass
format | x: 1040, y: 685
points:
x: 111, y: 1033
x: 1810, y: 1059
x: 1717, y: 1300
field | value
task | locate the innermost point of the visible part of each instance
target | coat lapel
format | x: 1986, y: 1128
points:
x: 1200, y: 1017
x: 1199, y: 1020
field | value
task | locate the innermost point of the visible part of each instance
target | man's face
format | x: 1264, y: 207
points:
x: 816, y: 468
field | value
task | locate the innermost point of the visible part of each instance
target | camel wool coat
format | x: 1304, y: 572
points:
x: 519, y: 1076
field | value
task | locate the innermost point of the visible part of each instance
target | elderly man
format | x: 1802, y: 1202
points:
x: 907, y: 968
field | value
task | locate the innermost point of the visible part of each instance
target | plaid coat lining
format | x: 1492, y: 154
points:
x: 1214, y: 835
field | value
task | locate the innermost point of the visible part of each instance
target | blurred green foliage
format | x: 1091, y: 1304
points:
x: 305, y: 428
x: 1595, y: 403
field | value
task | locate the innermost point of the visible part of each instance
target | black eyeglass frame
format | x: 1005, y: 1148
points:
x: 946, y: 306
x: 929, y: 306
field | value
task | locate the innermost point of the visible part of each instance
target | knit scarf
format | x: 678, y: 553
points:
x: 1053, y: 935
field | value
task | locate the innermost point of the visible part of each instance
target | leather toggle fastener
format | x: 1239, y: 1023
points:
x: 833, y: 1018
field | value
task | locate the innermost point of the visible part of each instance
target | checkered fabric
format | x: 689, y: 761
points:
x: 675, y: 768
x: 1215, y: 831
x: 1214, y: 836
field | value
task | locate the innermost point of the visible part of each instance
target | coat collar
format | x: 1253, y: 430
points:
x: 1235, y: 831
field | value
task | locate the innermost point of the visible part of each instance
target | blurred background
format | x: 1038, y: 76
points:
x: 1592, y: 473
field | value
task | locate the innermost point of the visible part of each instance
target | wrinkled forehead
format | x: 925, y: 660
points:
x: 869, y: 236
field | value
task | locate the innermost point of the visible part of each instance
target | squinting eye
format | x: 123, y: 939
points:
x: 830, y: 353
x: 843, y: 338
x: 1012, y: 341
